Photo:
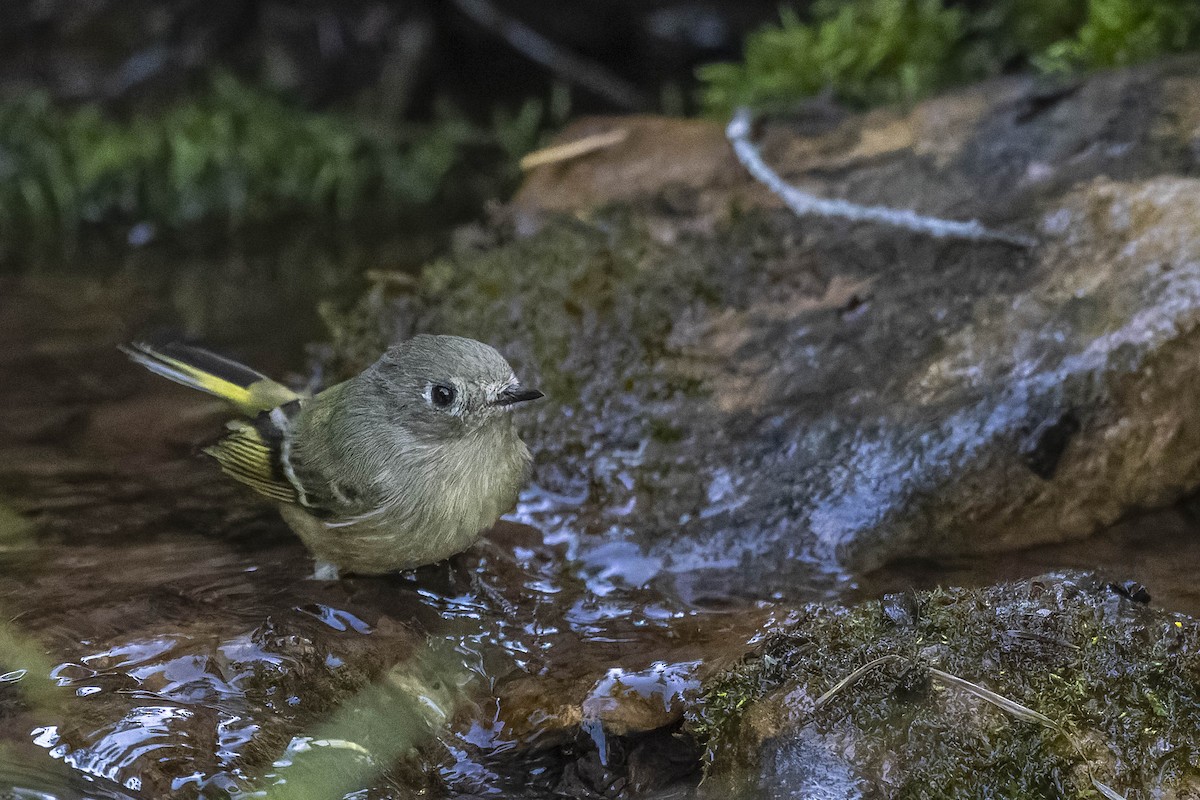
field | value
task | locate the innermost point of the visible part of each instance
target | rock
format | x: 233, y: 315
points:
x: 750, y: 398
x: 624, y: 703
x: 989, y: 151
x: 645, y: 163
x: 1117, y: 681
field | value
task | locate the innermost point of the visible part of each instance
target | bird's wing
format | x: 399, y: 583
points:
x: 249, y: 390
x: 255, y: 451
x: 258, y: 453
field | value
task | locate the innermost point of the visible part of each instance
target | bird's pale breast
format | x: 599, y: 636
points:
x: 441, y: 507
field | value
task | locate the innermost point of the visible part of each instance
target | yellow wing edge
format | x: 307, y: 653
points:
x: 250, y: 391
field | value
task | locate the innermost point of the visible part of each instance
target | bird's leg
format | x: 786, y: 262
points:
x: 325, y: 571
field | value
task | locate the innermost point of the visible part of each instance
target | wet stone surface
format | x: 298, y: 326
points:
x: 754, y: 402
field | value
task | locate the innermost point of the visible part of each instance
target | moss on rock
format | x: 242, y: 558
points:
x: 873, y: 51
x: 1118, y: 677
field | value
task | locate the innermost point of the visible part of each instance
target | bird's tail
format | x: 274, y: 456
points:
x: 249, y: 390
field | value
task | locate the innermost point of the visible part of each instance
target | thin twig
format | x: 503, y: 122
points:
x: 1005, y: 704
x: 804, y: 204
x: 998, y: 700
x: 536, y: 47
x: 1029, y: 715
x: 852, y: 677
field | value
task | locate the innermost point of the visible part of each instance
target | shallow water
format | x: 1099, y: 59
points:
x: 175, y: 644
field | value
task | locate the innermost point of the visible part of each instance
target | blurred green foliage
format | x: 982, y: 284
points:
x: 377, y: 736
x: 867, y: 51
x: 1121, y: 32
x: 879, y: 51
x: 234, y: 155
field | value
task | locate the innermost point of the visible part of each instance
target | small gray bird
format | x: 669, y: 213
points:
x: 405, y: 464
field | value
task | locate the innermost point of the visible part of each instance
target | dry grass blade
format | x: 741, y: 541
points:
x: 580, y: 147
x: 1029, y: 715
x: 852, y: 677
x: 1000, y: 701
x: 1106, y: 790
x: 391, y: 278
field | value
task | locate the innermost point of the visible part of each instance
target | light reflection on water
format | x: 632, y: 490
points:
x: 516, y: 610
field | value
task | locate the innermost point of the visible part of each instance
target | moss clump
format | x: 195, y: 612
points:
x: 233, y: 156
x: 1121, y: 677
x: 1121, y: 32
x: 590, y: 303
x: 867, y: 52
x: 873, y: 51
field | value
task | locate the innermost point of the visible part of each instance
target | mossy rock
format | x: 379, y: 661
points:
x: 1118, y: 679
x: 751, y: 398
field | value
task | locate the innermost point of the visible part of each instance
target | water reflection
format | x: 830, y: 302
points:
x: 23, y: 777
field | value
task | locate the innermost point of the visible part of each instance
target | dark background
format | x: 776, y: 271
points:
x: 399, y: 55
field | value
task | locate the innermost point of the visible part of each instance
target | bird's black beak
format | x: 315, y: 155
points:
x: 517, y: 395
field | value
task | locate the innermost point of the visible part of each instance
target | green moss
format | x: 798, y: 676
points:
x: 1121, y: 32
x: 868, y: 52
x: 232, y: 156
x: 556, y: 294
x: 875, y: 51
x: 1120, y: 677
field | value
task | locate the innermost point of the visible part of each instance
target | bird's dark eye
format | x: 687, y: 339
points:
x: 442, y: 396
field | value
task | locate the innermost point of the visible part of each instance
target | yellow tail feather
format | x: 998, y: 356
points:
x: 250, y: 391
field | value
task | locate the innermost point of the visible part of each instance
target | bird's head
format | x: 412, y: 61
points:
x: 448, y: 385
